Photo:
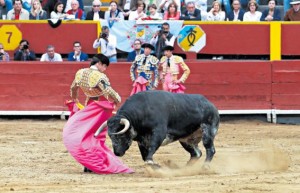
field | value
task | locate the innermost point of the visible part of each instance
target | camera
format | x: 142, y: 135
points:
x: 103, y: 35
x: 1, y: 54
x: 25, y: 47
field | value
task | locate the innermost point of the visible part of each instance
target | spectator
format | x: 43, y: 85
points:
x: 37, y: 13
x: 49, y: 6
x: 199, y: 4
x: 51, y: 56
x: 293, y: 14
x: 165, y: 4
x: 153, y: 14
x: 192, y: 13
x: 58, y: 11
x: 77, y: 55
x: 24, y: 53
x: 142, y: 70
x: 161, y: 39
x: 172, y: 13
x: 108, y: 44
x: 139, y: 13
x: 113, y: 14
x: 237, y: 13
x: 4, y: 56
x: 137, y: 50
x: 68, y: 5
x: 171, y: 67
x: 76, y: 11
x: 5, y: 6
x: 252, y: 14
x: 18, y: 13
x: 216, y: 13
x: 95, y: 14
x: 272, y: 13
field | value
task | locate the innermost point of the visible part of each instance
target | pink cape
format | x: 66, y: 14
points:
x: 139, y: 85
x: 169, y: 86
x: 78, y: 137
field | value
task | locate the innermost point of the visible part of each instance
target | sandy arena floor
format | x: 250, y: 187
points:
x: 252, y: 157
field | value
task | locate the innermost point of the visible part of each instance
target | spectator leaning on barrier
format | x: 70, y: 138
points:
x: 172, y: 13
x: 191, y: 13
x: 271, y: 13
x: 293, y: 14
x: 216, y: 13
x: 252, y: 14
x: 58, y: 13
x: 24, y: 53
x: 237, y: 13
x: 36, y: 12
x: 76, y: 11
x: 161, y: 39
x: 95, y: 14
x: 77, y: 55
x: 51, y: 56
x: 137, y: 50
x: 113, y: 14
x: 4, y: 56
x: 107, y: 43
x: 18, y: 13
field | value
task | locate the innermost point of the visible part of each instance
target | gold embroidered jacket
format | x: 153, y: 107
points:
x: 94, y: 84
x: 147, y: 70
x: 176, y: 62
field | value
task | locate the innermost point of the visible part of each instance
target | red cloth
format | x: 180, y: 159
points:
x: 78, y: 137
x: 169, y: 86
x: 139, y: 85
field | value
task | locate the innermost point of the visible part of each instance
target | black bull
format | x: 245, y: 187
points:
x: 155, y: 118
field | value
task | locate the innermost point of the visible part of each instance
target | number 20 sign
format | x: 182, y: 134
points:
x: 10, y: 36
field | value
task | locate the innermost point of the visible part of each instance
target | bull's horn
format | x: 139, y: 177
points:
x: 104, y: 124
x: 126, y: 127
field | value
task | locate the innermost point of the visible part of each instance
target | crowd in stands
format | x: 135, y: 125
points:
x: 197, y: 10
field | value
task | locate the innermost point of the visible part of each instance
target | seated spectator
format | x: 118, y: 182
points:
x: 113, y: 14
x: 237, y: 14
x: 172, y: 13
x: 252, y: 14
x: 4, y: 56
x: 95, y: 14
x: 24, y: 53
x: 37, y: 13
x: 137, y: 50
x: 51, y: 56
x: 49, y: 6
x: 153, y: 14
x: 271, y: 13
x: 165, y: 4
x: 76, y: 11
x: 5, y: 6
x: 68, y: 5
x: 199, y: 4
x: 58, y: 11
x: 191, y: 13
x: 161, y: 39
x: 216, y: 13
x: 139, y: 13
x: 18, y: 13
x: 77, y: 55
x: 293, y: 14
x: 108, y: 44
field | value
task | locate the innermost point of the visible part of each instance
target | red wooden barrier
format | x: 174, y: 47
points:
x: 289, y: 45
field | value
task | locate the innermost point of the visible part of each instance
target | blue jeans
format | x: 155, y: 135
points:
x: 27, y: 6
x: 113, y: 59
x: 8, y: 5
x: 286, y: 5
x: 227, y: 5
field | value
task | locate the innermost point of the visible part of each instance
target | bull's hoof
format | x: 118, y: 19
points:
x: 192, y: 161
x: 152, y: 164
x: 205, y: 167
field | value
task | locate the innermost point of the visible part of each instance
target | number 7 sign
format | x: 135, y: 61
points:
x: 10, y: 36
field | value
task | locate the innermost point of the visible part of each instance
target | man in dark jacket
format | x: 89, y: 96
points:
x: 96, y: 14
x: 237, y: 14
x: 192, y: 13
